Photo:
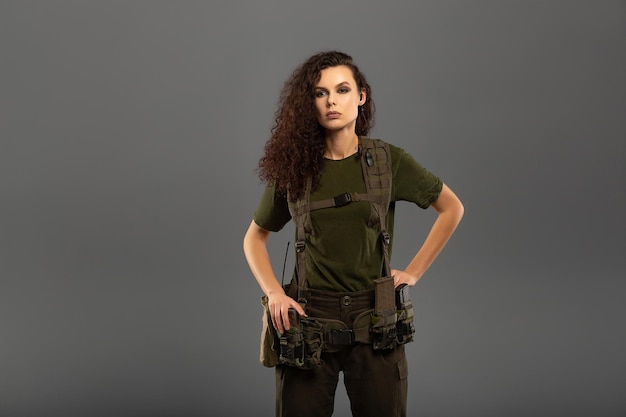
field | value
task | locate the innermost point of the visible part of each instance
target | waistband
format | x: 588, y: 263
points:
x: 355, y: 299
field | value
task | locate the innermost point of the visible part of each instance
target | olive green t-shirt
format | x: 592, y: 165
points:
x: 343, y: 252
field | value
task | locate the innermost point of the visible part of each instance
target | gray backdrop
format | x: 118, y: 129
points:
x: 129, y: 135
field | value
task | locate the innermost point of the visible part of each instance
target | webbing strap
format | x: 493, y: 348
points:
x: 300, y: 213
x: 343, y: 199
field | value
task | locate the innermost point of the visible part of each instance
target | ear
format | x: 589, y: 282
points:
x: 362, y: 97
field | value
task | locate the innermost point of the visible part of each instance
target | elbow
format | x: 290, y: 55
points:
x: 244, y: 245
x: 457, y: 212
x: 460, y: 210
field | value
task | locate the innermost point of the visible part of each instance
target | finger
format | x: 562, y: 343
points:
x: 285, y: 317
x: 276, y: 319
x: 299, y: 309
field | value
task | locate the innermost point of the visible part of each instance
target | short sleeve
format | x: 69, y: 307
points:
x: 411, y: 181
x: 272, y: 213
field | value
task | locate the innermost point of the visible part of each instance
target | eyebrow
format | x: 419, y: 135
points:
x: 338, y: 85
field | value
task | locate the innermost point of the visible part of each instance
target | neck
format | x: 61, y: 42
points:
x: 340, y: 146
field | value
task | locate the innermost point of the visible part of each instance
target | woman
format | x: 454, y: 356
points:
x: 315, y: 154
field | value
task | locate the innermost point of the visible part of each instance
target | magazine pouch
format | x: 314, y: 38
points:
x: 385, y: 315
x: 301, y: 345
x: 405, y: 328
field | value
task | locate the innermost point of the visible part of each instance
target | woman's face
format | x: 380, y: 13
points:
x: 337, y: 99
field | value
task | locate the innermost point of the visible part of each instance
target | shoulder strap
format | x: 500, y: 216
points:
x: 376, y: 166
x: 375, y: 159
x: 301, y: 215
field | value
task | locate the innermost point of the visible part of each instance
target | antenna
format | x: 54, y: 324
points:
x: 282, y: 278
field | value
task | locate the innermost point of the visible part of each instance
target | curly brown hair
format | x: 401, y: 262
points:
x: 294, y: 152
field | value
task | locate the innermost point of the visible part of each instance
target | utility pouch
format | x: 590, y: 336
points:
x: 385, y: 315
x: 405, y: 329
x: 269, y: 339
x: 301, y: 345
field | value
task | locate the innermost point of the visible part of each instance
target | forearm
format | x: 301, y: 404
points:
x: 450, y: 212
x: 440, y: 233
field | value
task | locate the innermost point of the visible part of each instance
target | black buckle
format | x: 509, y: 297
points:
x: 368, y: 158
x: 300, y: 245
x: 342, y: 199
x: 341, y: 337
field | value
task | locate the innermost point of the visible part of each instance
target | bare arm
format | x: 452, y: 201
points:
x: 449, y: 213
x: 255, y: 250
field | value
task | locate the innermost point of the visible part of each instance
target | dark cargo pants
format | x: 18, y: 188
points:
x: 376, y: 381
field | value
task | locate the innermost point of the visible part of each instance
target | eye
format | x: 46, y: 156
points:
x: 343, y: 90
x: 320, y: 93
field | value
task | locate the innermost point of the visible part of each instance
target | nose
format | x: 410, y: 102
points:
x: 331, y: 100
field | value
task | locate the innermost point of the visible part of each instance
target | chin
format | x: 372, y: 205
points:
x: 335, y: 125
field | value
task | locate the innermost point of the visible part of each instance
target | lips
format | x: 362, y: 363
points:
x: 333, y: 115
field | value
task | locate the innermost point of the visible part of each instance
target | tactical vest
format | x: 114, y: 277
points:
x: 391, y: 320
x: 375, y: 160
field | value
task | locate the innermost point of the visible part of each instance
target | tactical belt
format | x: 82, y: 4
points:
x: 385, y: 325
